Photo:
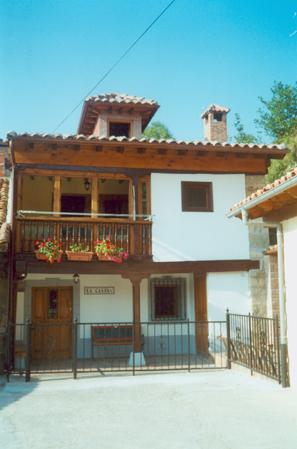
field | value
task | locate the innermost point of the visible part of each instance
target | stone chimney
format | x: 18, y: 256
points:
x: 215, y: 123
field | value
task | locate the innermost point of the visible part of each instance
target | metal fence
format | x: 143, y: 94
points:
x: 113, y: 347
x: 99, y: 348
x: 254, y: 343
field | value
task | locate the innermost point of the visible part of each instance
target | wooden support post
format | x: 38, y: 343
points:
x: 136, y: 314
x: 135, y: 279
x: 136, y: 212
x: 94, y: 198
x: 94, y: 208
x: 200, y: 295
x: 57, y: 195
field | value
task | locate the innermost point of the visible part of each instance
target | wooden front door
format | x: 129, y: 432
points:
x: 51, y: 322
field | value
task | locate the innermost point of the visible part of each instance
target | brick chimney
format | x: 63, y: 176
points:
x: 215, y: 123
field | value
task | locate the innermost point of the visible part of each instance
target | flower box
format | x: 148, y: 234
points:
x: 84, y: 256
x: 117, y: 259
x: 103, y: 257
x: 49, y: 250
x: 40, y: 256
x: 108, y: 251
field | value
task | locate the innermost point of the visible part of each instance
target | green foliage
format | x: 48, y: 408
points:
x: 79, y: 248
x: 278, y: 116
x: 157, y: 130
x: 278, y: 168
x: 242, y: 136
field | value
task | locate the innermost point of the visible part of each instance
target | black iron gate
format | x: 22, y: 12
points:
x: 111, y: 347
x: 254, y: 343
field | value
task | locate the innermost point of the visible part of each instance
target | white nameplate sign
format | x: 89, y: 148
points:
x: 99, y: 290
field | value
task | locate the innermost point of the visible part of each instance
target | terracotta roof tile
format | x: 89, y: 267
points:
x: 121, y: 98
x: 13, y: 135
x: 214, y: 108
x: 268, y: 187
x: 4, y: 227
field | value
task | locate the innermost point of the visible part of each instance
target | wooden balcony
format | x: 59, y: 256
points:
x: 134, y: 236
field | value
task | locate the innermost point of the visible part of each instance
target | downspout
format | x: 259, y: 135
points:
x: 282, y: 306
x: 281, y: 293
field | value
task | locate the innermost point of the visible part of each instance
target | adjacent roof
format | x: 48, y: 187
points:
x: 188, y: 143
x: 4, y: 227
x: 268, y: 188
x: 96, y: 104
x: 214, y: 108
x: 121, y: 98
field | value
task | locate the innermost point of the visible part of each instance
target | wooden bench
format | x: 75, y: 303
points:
x: 111, y: 335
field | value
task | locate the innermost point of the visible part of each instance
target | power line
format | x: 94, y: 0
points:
x: 117, y: 62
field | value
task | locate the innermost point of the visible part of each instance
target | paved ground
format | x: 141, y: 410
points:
x: 209, y: 410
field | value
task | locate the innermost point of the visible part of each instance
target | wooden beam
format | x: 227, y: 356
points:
x: 144, y: 267
x: 284, y: 212
x: 200, y: 298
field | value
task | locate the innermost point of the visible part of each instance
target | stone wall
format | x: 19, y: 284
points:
x: 273, y: 281
x: 3, y: 308
x: 259, y: 241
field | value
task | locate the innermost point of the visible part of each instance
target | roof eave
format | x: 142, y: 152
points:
x: 244, y: 208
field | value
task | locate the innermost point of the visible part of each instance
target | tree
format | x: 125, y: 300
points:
x: 278, y: 118
x: 277, y: 167
x: 157, y: 130
x: 242, y: 136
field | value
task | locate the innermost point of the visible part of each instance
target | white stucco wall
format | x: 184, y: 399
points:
x: 181, y: 235
x: 227, y: 290
x: 290, y: 246
x: 224, y: 290
x: 20, y: 308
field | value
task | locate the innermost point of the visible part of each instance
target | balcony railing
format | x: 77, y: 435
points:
x: 134, y: 236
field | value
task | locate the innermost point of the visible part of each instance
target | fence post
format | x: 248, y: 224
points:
x: 28, y: 352
x: 251, y: 343
x: 8, y: 352
x: 189, y: 349
x: 228, y: 339
x: 74, y: 349
x: 133, y: 348
x: 276, y: 337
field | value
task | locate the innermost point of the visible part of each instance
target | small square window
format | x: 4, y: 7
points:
x: 197, y: 197
x: 119, y: 129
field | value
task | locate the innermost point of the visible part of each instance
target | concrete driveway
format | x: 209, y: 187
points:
x: 209, y: 410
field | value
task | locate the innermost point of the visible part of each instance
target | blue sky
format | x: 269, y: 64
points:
x: 200, y: 52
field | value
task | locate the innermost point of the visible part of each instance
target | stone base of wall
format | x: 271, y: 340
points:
x: 3, y: 319
x: 259, y: 241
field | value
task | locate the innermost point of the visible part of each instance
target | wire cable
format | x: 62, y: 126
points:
x: 115, y: 64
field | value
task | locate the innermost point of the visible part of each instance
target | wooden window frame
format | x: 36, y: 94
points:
x: 180, y: 284
x: 197, y: 185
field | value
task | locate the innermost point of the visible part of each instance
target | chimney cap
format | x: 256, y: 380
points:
x: 214, y: 108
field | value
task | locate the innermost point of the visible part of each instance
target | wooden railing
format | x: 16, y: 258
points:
x: 135, y: 237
